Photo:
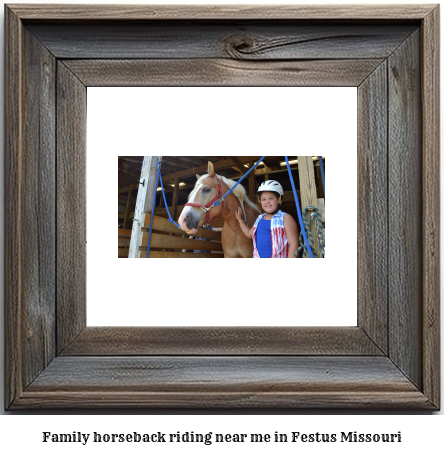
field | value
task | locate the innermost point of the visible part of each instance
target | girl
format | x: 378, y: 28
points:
x: 275, y: 233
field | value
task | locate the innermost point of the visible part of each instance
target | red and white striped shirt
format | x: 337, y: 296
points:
x: 279, y: 243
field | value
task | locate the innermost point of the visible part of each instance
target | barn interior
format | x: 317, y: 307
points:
x: 179, y: 178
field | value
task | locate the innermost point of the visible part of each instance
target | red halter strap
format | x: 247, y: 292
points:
x: 210, y: 205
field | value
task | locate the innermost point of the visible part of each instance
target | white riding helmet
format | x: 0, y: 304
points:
x: 271, y: 186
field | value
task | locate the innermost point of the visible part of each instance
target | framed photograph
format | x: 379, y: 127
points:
x: 54, y: 359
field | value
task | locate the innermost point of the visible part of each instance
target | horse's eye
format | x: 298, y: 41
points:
x: 206, y: 189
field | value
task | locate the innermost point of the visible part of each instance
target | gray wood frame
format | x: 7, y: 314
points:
x: 390, y: 360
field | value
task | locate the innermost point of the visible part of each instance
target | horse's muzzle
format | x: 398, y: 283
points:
x: 192, y: 220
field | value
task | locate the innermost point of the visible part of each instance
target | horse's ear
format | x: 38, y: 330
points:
x: 211, y: 170
x: 197, y: 176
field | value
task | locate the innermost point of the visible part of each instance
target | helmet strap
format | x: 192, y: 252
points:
x: 277, y: 210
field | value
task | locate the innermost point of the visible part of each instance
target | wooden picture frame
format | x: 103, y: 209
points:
x: 390, y: 360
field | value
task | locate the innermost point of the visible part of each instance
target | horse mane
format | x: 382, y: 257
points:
x: 239, y: 192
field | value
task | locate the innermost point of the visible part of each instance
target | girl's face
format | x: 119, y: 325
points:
x: 269, y: 202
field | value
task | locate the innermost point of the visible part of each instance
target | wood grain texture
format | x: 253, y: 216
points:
x: 257, y: 400
x: 264, y: 40
x: 207, y: 373
x: 430, y: 94
x: 14, y: 155
x: 219, y: 12
x: 39, y: 228
x: 404, y: 209
x: 372, y: 207
x: 71, y: 206
x: 148, y: 174
x: 30, y: 205
x: 144, y: 202
x: 221, y: 72
x: 308, y: 193
x: 222, y: 341
x: 234, y: 382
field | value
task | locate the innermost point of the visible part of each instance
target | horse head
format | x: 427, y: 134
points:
x: 200, y: 207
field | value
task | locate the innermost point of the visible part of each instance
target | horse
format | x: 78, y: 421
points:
x: 200, y: 210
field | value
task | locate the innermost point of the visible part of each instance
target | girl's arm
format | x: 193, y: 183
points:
x: 291, y: 231
x: 247, y: 231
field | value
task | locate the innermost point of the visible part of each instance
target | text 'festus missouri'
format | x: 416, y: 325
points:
x: 209, y: 438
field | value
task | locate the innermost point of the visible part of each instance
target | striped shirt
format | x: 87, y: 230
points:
x: 279, y: 241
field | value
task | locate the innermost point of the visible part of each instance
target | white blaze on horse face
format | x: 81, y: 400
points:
x: 181, y: 220
x: 186, y: 209
x: 194, y: 193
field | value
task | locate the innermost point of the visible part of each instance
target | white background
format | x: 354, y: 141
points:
x: 20, y: 434
x: 259, y: 121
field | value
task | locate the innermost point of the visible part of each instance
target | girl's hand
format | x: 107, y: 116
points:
x: 238, y: 215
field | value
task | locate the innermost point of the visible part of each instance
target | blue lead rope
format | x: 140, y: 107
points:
x: 238, y: 182
x: 170, y: 219
x: 321, y: 164
x: 152, y: 210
